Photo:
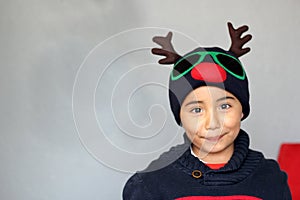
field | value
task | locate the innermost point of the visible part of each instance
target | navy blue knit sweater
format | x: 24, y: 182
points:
x: 247, y: 175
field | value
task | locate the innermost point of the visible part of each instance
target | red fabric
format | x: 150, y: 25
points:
x: 209, y: 72
x: 215, y: 166
x: 289, y: 161
x: 234, y: 197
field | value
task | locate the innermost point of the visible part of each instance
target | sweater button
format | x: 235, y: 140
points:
x: 197, y: 173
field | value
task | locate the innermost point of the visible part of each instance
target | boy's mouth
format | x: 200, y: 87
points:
x: 214, y: 138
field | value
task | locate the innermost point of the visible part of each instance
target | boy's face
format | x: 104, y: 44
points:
x: 211, y: 118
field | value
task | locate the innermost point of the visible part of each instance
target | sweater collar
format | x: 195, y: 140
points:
x: 232, y: 172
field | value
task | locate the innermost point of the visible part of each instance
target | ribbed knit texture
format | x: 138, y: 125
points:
x: 225, y: 175
x: 247, y: 173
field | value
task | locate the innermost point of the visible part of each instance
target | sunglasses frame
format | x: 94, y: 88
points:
x: 203, y: 54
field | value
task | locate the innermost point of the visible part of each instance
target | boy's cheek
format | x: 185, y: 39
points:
x: 192, y: 125
x: 232, y: 120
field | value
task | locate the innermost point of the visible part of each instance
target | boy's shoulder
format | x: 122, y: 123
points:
x: 269, y: 163
x: 268, y: 169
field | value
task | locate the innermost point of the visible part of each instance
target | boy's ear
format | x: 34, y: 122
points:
x: 242, y: 115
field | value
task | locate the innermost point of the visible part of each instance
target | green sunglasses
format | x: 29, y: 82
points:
x: 229, y: 63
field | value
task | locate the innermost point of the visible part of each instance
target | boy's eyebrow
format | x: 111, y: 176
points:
x: 220, y: 99
x: 193, y: 102
x: 224, y: 98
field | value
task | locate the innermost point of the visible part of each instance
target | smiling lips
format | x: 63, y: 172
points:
x: 213, y: 139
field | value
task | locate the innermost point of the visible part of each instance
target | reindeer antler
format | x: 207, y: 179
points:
x: 167, y: 49
x: 237, y: 41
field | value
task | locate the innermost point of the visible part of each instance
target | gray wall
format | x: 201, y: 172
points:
x: 83, y: 103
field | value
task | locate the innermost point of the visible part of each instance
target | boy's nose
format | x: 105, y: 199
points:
x: 212, y: 121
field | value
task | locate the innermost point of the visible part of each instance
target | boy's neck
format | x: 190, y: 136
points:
x: 214, y: 157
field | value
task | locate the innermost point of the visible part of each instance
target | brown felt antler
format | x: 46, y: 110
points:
x: 237, y: 41
x: 167, y: 49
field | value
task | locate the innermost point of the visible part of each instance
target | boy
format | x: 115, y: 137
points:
x: 209, y: 97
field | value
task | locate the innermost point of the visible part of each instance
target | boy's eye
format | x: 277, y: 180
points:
x: 225, y: 106
x: 196, y: 110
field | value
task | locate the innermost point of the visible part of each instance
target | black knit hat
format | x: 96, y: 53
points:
x: 208, y: 67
